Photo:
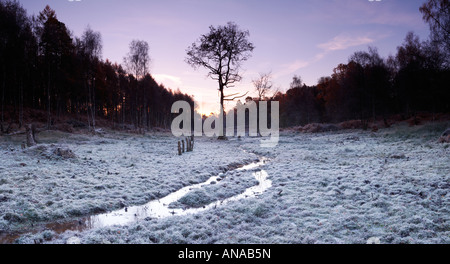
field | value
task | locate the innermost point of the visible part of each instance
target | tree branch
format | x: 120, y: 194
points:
x: 226, y: 99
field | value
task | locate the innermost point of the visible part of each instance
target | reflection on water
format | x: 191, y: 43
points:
x: 157, y: 208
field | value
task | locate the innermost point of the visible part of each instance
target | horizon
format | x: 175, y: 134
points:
x: 304, y: 38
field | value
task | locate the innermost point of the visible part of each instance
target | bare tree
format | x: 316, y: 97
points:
x: 221, y: 52
x: 263, y: 85
x: 137, y: 62
x: 92, y: 49
x: 437, y: 14
x: 92, y: 43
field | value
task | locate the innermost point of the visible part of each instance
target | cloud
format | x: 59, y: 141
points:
x: 296, y: 65
x: 364, y: 12
x: 343, y: 42
x: 340, y: 42
x: 290, y: 68
x: 167, y: 79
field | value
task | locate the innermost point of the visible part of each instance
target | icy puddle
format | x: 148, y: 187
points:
x: 160, y: 208
x: 157, y: 208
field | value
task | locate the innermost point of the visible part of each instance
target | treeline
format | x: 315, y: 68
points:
x: 368, y: 87
x: 44, y: 67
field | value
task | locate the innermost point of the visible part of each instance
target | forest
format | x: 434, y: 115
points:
x: 369, y: 87
x: 48, y: 75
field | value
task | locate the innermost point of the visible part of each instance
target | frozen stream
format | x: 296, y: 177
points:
x: 158, y: 208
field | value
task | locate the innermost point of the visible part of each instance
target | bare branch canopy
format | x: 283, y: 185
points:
x: 221, y: 52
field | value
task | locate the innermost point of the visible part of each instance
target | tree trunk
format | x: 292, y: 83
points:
x: 123, y: 112
x: 93, y: 105
x: 88, y: 116
x: 48, y: 100
x: 374, y: 116
x: 222, y: 108
x: 3, y: 97
x: 21, y: 103
x: 89, y: 109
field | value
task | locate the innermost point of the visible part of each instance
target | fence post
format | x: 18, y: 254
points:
x: 188, y: 145
x: 182, y: 148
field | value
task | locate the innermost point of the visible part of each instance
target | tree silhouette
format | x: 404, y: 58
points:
x: 17, y: 58
x: 374, y: 86
x: 296, y: 82
x: 263, y: 85
x: 91, y: 50
x: 221, y: 52
x: 437, y: 14
x: 56, y: 45
x: 137, y: 62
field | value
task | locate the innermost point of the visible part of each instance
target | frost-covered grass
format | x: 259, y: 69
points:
x: 107, y: 173
x: 338, y: 187
x: 227, y: 185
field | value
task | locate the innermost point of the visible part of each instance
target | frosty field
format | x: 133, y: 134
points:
x: 335, y: 187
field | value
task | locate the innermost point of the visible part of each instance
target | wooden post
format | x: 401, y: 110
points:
x: 188, y: 143
x: 30, y: 130
x: 182, y: 143
x: 179, y: 148
x: 192, y: 142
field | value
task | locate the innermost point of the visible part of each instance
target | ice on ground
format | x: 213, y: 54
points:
x: 73, y: 241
